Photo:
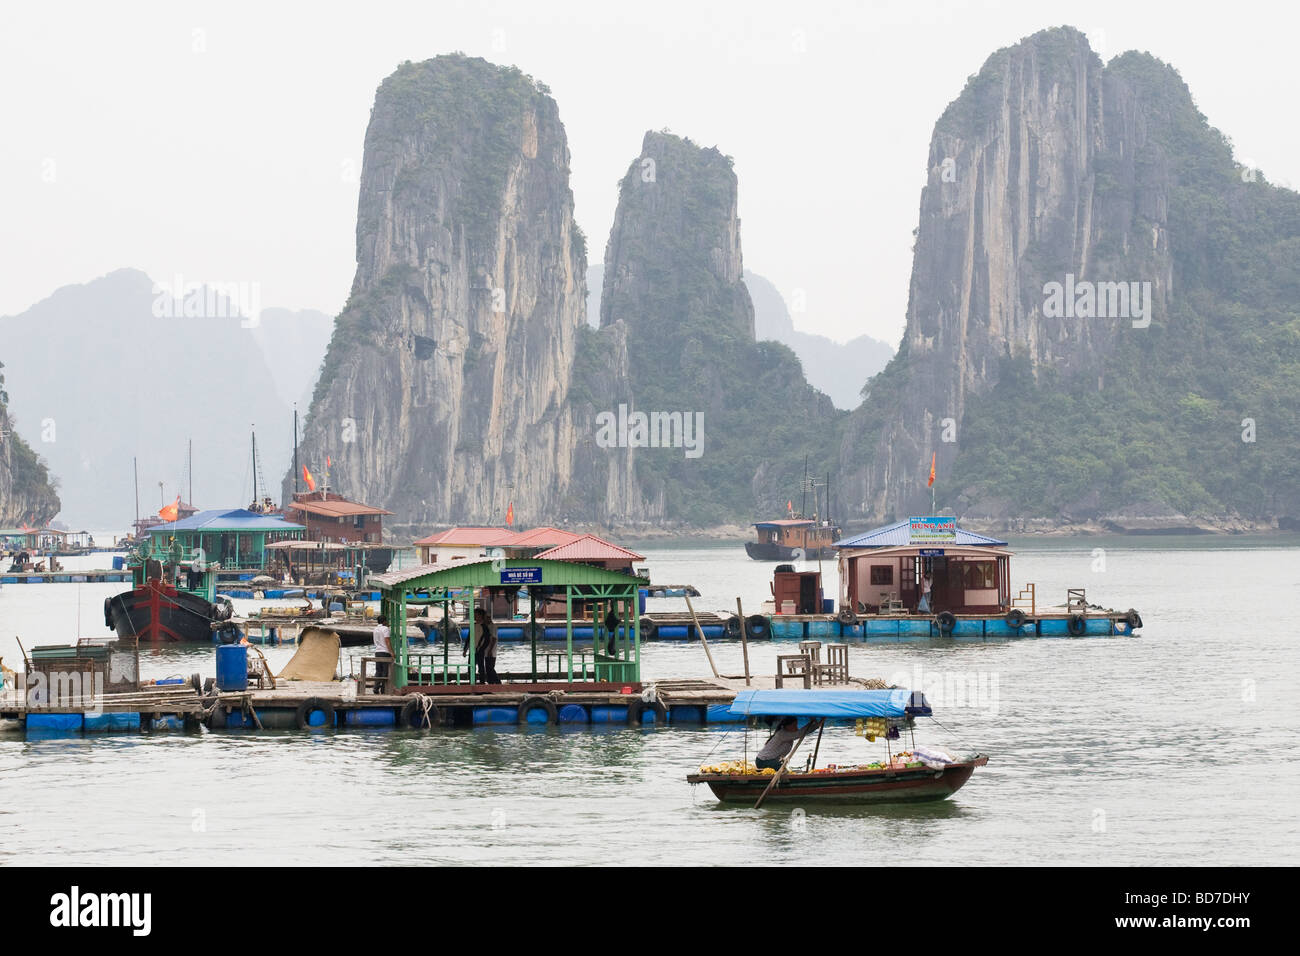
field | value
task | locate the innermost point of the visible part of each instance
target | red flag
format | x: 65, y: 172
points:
x: 172, y: 511
x: 510, y: 513
x: 789, y: 506
x: 930, y: 483
x: 306, y: 476
x: 328, y: 463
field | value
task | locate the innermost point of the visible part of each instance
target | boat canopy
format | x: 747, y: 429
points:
x: 831, y: 703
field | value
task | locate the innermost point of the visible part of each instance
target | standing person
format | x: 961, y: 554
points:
x: 485, y: 647
x: 611, y: 628
x: 383, y: 649
x: 927, y: 582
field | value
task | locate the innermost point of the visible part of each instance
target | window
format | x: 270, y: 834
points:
x: 882, y: 574
x: 980, y: 575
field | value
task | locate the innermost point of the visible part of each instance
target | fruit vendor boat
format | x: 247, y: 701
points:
x: 913, y: 775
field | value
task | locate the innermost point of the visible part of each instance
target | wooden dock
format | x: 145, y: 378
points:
x: 321, y: 705
x: 66, y: 577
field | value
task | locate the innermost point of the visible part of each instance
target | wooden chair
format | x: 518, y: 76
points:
x: 836, y: 668
x: 370, y: 682
x: 796, y: 666
x: 812, y: 650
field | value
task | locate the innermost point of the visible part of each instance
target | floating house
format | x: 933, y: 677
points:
x: 881, y: 578
x: 594, y: 551
x: 233, y: 538
x: 969, y: 572
x: 341, y: 534
x: 459, y: 544
x: 610, y: 664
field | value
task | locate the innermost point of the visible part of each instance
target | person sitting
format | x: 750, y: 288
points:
x: 779, y: 744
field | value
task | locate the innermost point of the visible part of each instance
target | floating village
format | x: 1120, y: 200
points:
x: 581, y: 606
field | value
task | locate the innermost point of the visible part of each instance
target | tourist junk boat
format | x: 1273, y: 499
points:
x: 917, y: 775
x: 793, y: 539
x: 173, y: 601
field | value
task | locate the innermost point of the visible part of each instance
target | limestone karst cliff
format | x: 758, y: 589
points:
x: 673, y: 275
x: 444, y: 391
x: 27, y: 492
x: 1051, y: 176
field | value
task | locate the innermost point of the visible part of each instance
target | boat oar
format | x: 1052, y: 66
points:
x: 699, y: 630
x: 786, y: 762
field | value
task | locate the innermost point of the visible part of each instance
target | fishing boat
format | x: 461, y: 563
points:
x: 911, y: 775
x: 173, y: 601
x: 797, y: 537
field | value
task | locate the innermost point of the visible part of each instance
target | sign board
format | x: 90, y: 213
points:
x: 521, y: 575
x: 931, y: 552
x: 933, y: 528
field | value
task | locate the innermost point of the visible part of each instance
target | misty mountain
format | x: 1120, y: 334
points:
x: 96, y: 377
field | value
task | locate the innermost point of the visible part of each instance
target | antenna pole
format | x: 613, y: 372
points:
x: 295, y: 448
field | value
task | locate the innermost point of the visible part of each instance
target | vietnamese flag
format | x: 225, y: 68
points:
x: 789, y: 506
x: 930, y: 483
x: 306, y: 476
x: 510, y: 513
x: 172, y: 511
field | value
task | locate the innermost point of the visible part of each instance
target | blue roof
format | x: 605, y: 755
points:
x: 227, y: 519
x: 899, y: 534
x: 830, y: 703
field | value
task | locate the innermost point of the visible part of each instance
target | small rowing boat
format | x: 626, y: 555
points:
x: 904, y: 776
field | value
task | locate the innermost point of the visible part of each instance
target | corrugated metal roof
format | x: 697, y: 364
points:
x: 470, y: 536
x: 486, y: 572
x: 223, y: 519
x: 539, y: 537
x: 335, y: 508
x: 897, y: 534
x: 590, y: 548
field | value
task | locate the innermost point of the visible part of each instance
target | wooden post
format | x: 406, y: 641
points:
x: 699, y: 630
x: 744, y: 639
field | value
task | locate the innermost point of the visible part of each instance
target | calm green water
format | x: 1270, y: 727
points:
x: 1174, y: 747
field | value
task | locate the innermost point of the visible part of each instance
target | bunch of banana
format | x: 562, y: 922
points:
x: 871, y: 727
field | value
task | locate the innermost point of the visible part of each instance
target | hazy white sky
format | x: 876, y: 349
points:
x: 222, y: 141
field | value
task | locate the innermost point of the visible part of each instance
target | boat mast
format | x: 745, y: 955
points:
x: 135, y: 470
x: 295, y: 448
x: 191, y: 470
x: 254, y: 469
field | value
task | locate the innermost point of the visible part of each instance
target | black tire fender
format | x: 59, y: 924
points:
x: 1077, y: 625
x: 638, y: 707
x: 310, y: 706
x: 649, y: 630
x: 846, y: 616
x: 414, y: 716
x: 108, y: 613
x: 538, y: 703
x: 1015, y: 618
x: 1133, y: 619
x: 734, y: 627
x: 947, y: 622
x: 757, y: 627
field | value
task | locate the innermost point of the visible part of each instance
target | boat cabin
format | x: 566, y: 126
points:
x: 881, y: 571
x: 331, y: 517
x: 611, y: 663
x: 232, y: 538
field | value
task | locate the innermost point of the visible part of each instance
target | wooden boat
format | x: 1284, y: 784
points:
x: 793, y: 539
x: 169, y: 604
x: 905, y: 777
x: 846, y: 785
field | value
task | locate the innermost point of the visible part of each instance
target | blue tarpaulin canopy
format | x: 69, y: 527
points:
x: 831, y: 703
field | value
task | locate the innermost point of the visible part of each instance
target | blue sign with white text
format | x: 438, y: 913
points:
x: 521, y: 575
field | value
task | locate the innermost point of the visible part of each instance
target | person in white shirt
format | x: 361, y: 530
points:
x: 779, y: 744
x: 927, y: 582
x: 383, y: 648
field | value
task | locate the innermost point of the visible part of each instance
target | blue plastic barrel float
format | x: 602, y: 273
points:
x: 232, y: 667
